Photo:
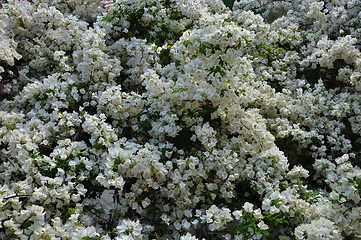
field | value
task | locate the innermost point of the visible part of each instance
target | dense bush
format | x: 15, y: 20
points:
x: 205, y: 122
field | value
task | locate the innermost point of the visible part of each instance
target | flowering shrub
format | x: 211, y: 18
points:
x: 204, y: 122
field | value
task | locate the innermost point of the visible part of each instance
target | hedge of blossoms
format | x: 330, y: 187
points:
x: 241, y: 124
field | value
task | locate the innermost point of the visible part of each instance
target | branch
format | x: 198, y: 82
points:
x: 7, y: 159
x: 18, y: 195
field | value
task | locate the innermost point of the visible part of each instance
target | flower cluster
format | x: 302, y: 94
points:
x: 201, y: 121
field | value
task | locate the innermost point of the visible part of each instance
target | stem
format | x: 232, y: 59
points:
x: 7, y: 159
x: 207, y: 234
x: 45, y: 146
x: 22, y: 225
x: 77, y: 134
x: 49, y: 196
x: 18, y: 195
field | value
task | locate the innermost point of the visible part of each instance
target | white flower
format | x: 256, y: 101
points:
x: 145, y: 202
x: 237, y: 214
x: 131, y: 228
x: 216, y: 217
x: 318, y: 229
x: 89, y: 232
x: 258, y: 214
x: 206, y: 135
x: 262, y: 225
x: 188, y: 236
x: 248, y: 207
x: 228, y: 98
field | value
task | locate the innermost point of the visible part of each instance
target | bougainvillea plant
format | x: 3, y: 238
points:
x: 201, y: 121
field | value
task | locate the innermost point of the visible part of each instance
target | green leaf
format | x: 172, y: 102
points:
x: 228, y: 3
x: 27, y: 224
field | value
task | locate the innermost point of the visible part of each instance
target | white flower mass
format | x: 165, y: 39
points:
x: 203, y: 121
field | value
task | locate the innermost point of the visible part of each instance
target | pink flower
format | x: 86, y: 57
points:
x: 104, y: 4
